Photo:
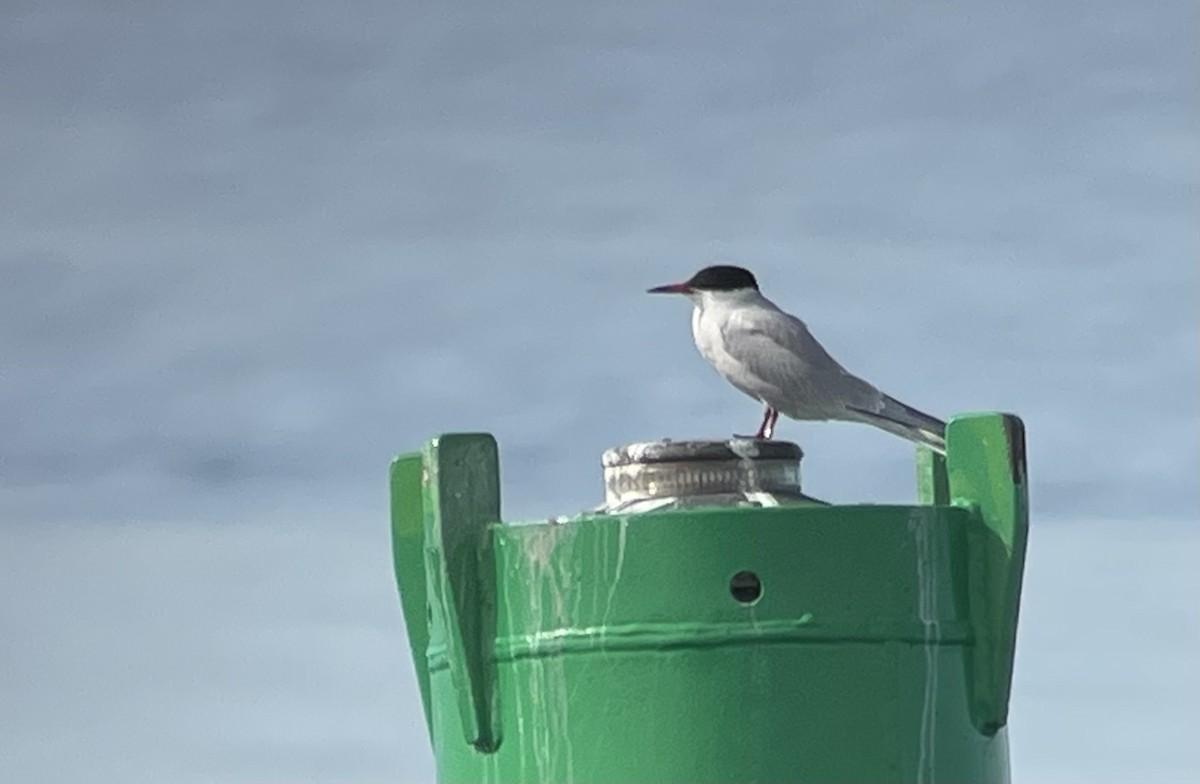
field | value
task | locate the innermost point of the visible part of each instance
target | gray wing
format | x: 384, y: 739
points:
x: 791, y: 370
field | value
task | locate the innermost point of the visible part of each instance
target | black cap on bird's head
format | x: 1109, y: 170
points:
x: 719, y: 278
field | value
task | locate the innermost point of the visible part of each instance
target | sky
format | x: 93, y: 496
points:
x: 251, y: 251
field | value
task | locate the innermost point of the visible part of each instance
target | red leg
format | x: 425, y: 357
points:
x: 767, y: 428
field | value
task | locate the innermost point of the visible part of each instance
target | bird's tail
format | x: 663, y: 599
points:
x: 907, y: 422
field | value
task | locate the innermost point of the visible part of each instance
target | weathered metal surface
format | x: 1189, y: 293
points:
x: 794, y: 644
x: 461, y: 488
x: 986, y: 468
x: 660, y: 475
x: 408, y: 555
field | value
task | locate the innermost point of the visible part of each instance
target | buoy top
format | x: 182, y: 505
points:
x: 668, y: 474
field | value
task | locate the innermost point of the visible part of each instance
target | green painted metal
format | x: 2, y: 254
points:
x: 610, y: 648
x: 461, y: 489
x: 933, y: 485
x: 987, y: 473
x: 408, y: 554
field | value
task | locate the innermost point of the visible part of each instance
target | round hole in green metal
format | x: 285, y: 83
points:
x: 745, y: 587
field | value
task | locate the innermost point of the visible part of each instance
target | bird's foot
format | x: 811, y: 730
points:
x: 761, y: 435
x: 767, y: 429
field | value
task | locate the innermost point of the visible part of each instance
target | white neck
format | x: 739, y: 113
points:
x: 705, y: 300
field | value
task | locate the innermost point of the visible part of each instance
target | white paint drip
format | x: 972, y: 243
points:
x: 491, y: 768
x: 518, y: 706
x: 615, y: 580
x: 548, y: 689
x: 546, y: 737
x: 744, y: 448
x: 747, y: 450
x: 927, y: 609
x: 761, y: 499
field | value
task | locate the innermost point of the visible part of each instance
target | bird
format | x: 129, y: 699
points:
x: 771, y: 356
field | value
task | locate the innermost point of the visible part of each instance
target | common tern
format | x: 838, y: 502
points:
x: 772, y: 357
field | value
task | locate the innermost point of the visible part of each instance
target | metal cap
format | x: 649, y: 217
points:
x: 669, y: 474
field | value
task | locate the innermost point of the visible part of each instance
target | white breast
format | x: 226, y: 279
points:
x: 706, y: 331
